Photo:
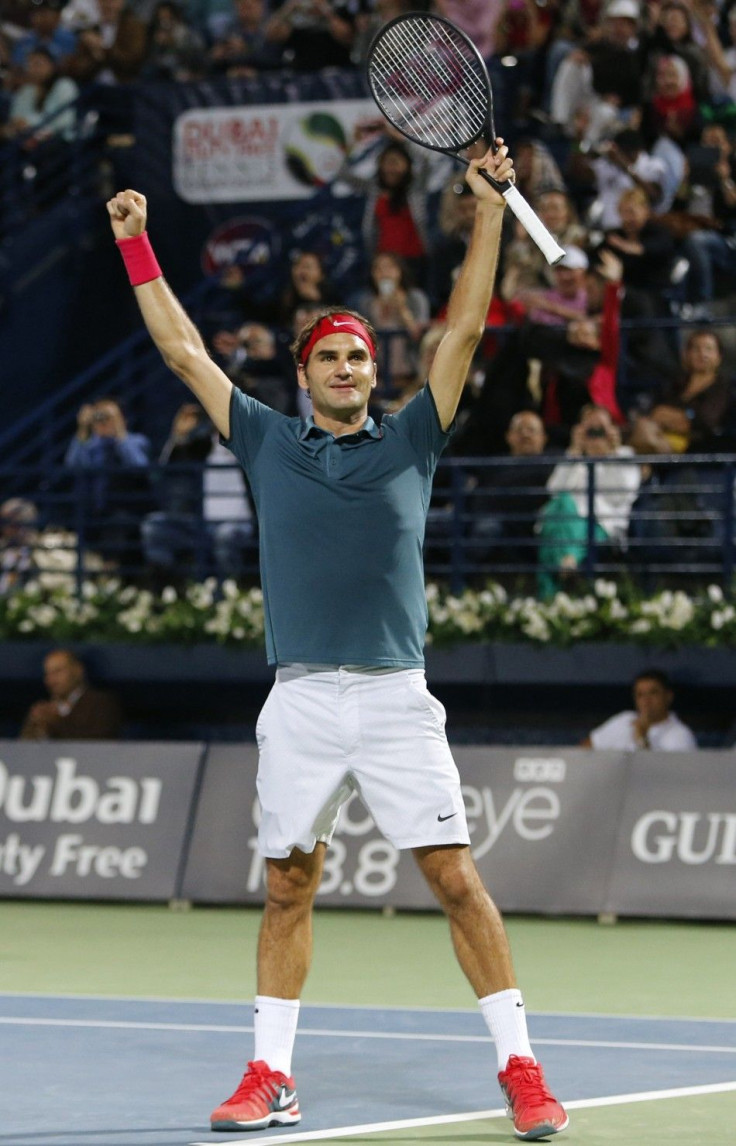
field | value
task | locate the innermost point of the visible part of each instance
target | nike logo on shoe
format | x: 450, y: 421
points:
x: 285, y: 1099
x: 441, y: 819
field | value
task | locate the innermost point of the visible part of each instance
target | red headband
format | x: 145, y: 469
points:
x: 337, y: 324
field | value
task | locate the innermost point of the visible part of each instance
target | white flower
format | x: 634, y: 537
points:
x: 617, y: 611
x: 606, y: 589
x: 641, y: 626
x: 230, y: 590
x: 715, y: 593
x: 169, y: 595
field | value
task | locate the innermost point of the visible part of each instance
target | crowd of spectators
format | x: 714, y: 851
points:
x: 621, y: 115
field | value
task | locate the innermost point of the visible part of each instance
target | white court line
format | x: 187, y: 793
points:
x: 477, y: 1115
x: 407, y: 1036
x: 175, y: 999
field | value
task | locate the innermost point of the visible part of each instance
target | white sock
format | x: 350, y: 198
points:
x: 505, y: 1017
x: 275, y: 1027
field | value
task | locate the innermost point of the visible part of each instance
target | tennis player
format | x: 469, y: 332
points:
x: 341, y: 506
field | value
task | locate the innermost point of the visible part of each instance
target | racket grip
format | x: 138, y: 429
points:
x: 533, y: 225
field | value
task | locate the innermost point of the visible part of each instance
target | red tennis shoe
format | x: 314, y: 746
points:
x: 264, y: 1098
x: 536, y: 1112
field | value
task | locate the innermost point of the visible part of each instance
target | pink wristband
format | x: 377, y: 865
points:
x: 140, y: 261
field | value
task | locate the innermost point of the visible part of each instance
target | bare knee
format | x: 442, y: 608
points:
x: 291, y: 884
x: 452, y: 876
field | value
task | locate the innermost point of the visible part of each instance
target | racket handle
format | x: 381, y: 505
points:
x: 533, y: 225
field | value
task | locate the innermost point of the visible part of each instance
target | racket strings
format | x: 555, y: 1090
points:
x: 428, y: 83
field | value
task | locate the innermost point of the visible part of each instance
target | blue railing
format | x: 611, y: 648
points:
x: 147, y: 523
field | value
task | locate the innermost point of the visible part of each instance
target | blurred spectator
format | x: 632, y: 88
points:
x: 259, y: 364
x: 202, y: 510
x: 673, y: 36
x: 567, y: 299
x: 370, y: 19
x: 46, y: 31
x: 672, y: 109
x: 456, y: 215
x: 395, y: 216
x: 113, y: 49
x: 525, y: 267
x: 650, y: 724
x: 601, y: 81
x: 307, y: 284
x: 478, y: 19
x: 536, y: 169
x: 644, y: 246
x: 175, y: 49
x: 394, y: 305
x: 507, y: 499
x: 314, y: 34
x: 563, y: 522
x: 711, y: 201
x: 18, y: 537
x: 74, y: 711
x: 617, y: 167
x: 404, y: 390
x: 43, y: 95
x: 697, y: 410
x: 115, y: 493
x: 241, y: 46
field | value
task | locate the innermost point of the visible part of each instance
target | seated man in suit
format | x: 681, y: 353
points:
x: 74, y: 711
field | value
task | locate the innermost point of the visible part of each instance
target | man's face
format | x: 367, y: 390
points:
x: 620, y: 30
x: 652, y: 701
x: 340, y: 375
x: 634, y: 214
x: 105, y: 420
x: 44, y: 21
x: 525, y: 435
x: 568, y: 281
x: 554, y: 212
x: 61, y: 675
x: 703, y: 354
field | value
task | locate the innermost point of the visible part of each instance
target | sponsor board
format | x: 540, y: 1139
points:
x: 94, y: 820
x: 542, y: 827
x: 262, y: 152
x: 676, y: 845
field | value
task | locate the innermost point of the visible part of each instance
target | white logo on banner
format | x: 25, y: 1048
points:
x: 69, y: 798
x: 265, y: 152
x: 691, y: 837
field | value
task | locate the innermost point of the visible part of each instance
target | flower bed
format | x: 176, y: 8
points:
x: 109, y: 611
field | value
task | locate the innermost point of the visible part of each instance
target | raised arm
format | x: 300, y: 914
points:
x: 471, y: 295
x: 170, y: 327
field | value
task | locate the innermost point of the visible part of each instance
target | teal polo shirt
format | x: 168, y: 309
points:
x: 341, y: 523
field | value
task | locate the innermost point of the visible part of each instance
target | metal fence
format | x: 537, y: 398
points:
x: 490, y: 518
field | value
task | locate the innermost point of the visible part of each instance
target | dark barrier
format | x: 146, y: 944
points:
x: 555, y: 831
x: 95, y: 820
x: 558, y: 831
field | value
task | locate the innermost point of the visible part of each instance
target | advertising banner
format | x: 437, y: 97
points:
x: 263, y: 153
x: 94, y: 820
x: 542, y: 825
x: 676, y: 846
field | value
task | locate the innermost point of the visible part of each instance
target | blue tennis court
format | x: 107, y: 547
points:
x: 95, y: 1071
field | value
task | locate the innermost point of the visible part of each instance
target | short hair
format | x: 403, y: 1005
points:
x: 305, y: 333
x: 657, y: 674
x: 704, y: 332
x: 634, y: 194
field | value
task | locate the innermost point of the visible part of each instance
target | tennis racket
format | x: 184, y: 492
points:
x: 430, y: 82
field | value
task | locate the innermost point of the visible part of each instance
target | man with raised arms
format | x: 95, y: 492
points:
x: 342, y: 505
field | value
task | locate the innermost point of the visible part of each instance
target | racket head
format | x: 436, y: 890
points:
x: 430, y: 82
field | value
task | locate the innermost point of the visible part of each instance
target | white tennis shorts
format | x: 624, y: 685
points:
x: 327, y: 731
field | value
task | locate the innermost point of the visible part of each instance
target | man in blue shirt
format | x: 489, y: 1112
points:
x: 342, y: 506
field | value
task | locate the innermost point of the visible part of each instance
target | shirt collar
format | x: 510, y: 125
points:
x: 309, y: 430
